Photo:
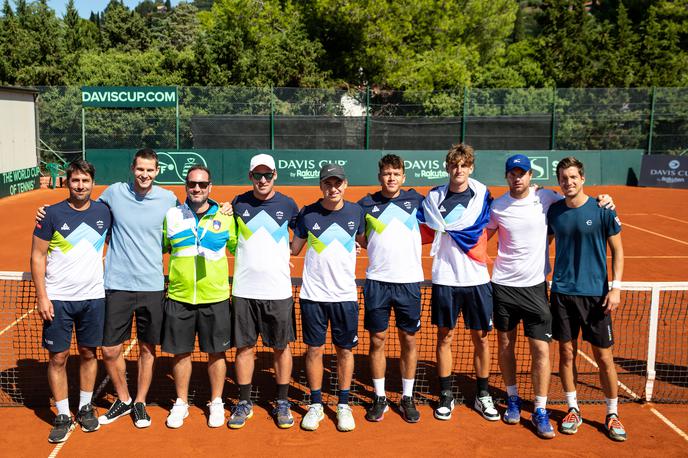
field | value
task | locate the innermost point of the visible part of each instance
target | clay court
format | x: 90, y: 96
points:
x: 655, y: 238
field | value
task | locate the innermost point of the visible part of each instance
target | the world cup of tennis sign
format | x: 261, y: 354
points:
x: 129, y: 96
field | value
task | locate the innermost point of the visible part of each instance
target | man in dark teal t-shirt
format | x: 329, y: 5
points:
x: 581, y: 299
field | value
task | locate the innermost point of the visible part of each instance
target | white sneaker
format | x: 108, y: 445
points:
x: 216, y: 418
x: 179, y: 411
x: 486, y: 407
x: 345, y: 418
x: 313, y: 417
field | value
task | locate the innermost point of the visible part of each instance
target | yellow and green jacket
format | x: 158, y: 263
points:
x: 198, y: 270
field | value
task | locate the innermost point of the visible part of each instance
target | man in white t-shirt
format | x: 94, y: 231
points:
x: 519, y: 285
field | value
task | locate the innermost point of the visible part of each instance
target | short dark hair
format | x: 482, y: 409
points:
x: 391, y: 160
x: 199, y: 167
x: 460, y: 152
x: 145, y: 153
x: 570, y: 161
x: 80, y: 165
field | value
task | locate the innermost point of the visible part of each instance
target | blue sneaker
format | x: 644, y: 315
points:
x: 512, y: 415
x: 543, y: 427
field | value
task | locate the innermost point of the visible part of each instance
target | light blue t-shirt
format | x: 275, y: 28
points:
x: 134, y: 257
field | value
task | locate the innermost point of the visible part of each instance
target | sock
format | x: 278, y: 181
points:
x: 612, y: 406
x: 282, y: 391
x: 127, y: 402
x: 572, y: 400
x: 343, y: 397
x: 379, y: 385
x: 63, y: 407
x: 316, y: 396
x: 445, y: 383
x: 245, y: 392
x: 85, y: 398
x: 512, y: 390
x: 540, y: 402
x: 482, y: 387
x: 217, y: 400
x: 407, y: 387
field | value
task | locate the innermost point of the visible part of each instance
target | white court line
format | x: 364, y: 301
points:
x: 59, y: 446
x: 669, y: 217
x: 17, y: 320
x: 621, y: 385
x: 655, y: 233
x: 669, y: 423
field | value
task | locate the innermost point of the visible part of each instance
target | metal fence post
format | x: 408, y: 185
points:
x: 553, y: 129
x: 272, y: 118
x: 367, y: 119
x: 464, y: 115
x: 652, y: 121
x: 176, y: 89
x: 83, y: 132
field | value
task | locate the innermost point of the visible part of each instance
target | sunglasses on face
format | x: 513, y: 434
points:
x: 258, y: 175
x: 200, y: 184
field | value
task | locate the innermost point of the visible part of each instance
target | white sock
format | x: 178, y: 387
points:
x: 540, y: 402
x: 217, y: 400
x: 512, y: 390
x: 85, y: 398
x: 63, y: 407
x: 612, y: 405
x: 407, y: 387
x: 379, y: 385
x: 127, y: 402
x: 572, y: 400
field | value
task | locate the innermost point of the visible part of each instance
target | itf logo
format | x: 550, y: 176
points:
x: 175, y: 164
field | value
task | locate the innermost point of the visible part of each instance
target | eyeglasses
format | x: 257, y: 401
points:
x: 200, y: 184
x: 267, y: 175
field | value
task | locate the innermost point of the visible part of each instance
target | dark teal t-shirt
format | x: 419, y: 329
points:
x: 580, y: 267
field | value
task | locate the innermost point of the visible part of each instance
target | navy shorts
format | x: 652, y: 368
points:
x: 474, y: 302
x: 573, y: 314
x: 381, y: 297
x: 87, y: 317
x: 342, y: 317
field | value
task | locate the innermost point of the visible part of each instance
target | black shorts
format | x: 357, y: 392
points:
x: 86, y: 317
x: 120, y: 306
x: 513, y: 304
x: 342, y: 316
x: 182, y: 321
x: 475, y: 302
x: 272, y: 319
x: 573, y: 313
x: 381, y: 297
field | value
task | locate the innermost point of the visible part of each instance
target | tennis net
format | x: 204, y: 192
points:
x: 651, y: 355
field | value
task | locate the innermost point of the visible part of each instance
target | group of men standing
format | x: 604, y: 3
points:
x: 144, y: 221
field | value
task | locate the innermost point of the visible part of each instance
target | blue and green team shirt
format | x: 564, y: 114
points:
x: 394, y: 241
x: 74, y: 268
x: 261, y: 267
x: 329, y: 270
x: 580, y: 266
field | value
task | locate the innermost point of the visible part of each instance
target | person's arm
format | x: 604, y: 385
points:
x: 39, y: 256
x: 362, y: 240
x: 611, y: 302
x: 297, y: 245
x: 166, y: 246
x: 40, y: 213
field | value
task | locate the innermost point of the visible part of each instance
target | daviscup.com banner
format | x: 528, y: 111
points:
x: 664, y: 171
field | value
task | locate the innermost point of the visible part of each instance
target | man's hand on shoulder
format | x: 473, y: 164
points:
x: 226, y: 208
x: 606, y: 201
x: 40, y: 213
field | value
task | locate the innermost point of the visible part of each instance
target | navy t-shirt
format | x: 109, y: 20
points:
x: 580, y: 267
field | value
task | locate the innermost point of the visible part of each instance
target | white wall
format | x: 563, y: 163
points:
x: 17, y: 131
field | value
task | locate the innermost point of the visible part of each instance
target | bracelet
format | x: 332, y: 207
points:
x: 616, y: 284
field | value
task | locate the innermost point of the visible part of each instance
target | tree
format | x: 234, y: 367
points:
x: 177, y: 29
x: 123, y: 29
x: 71, y: 21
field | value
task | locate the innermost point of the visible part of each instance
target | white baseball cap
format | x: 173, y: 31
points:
x: 262, y: 159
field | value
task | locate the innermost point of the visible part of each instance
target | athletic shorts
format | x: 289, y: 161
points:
x: 272, y: 319
x: 513, y: 304
x: 121, y: 306
x: 87, y: 317
x: 341, y: 316
x: 574, y: 313
x: 474, y: 302
x: 381, y: 297
x: 183, y: 321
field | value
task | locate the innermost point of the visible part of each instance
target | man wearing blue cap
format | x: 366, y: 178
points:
x: 519, y: 285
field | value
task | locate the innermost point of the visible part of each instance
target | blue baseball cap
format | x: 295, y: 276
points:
x: 519, y: 161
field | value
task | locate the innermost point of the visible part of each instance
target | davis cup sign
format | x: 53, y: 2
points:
x: 128, y: 96
x: 665, y: 171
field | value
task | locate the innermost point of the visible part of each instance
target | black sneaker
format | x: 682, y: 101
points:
x: 116, y: 410
x: 376, y: 412
x: 141, y: 417
x: 87, y: 418
x: 445, y: 406
x: 62, y: 426
x: 408, y: 409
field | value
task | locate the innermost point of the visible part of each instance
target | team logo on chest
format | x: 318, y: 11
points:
x: 375, y: 209
x: 65, y: 227
x: 99, y: 224
x: 217, y: 224
x: 351, y: 225
x: 588, y: 222
x: 279, y: 214
x: 246, y: 213
x: 316, y: 227
x: 442, y: 209
x: 407, y: 205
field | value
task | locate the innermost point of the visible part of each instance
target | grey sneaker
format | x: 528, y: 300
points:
x: 242, y: 412
x: 282, y: 414
x: 62, y: 427
x: 87, y: 418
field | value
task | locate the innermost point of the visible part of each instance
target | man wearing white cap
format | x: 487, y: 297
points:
x: 262, y: 301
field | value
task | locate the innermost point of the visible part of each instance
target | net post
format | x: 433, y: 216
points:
x: 272, y: 118
x: 464, y: 111
x: 652, y: 121
x: 652, y: 343
x: 553, y: 121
